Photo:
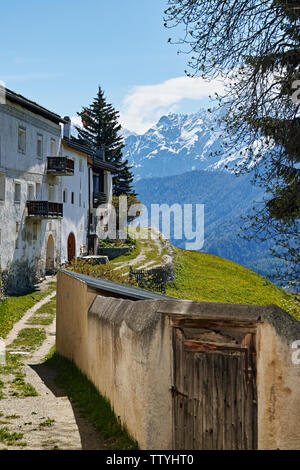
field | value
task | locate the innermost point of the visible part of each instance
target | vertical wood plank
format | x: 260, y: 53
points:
x: 214, y: 403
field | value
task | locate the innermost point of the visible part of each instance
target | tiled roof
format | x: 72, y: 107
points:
x: 81, y: 146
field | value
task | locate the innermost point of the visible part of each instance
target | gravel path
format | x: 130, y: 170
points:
x: 49, y: 420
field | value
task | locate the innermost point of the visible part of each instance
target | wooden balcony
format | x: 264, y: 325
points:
x: 60, y: 166
x: 44, y: 209
x: 99, y: 198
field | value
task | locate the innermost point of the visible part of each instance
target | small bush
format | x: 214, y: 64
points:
x: 104, y: 271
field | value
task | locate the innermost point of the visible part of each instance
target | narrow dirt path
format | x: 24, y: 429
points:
x: 46, y: 419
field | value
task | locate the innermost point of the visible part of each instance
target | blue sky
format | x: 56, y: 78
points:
x: 57, y: 52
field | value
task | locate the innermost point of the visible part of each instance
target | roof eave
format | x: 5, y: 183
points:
x: 33, y: 107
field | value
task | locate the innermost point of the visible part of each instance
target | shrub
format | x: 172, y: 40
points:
x: 104, y: 271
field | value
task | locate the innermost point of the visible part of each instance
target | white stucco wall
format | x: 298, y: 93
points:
x: 75, y: 218
x: 24, y: 247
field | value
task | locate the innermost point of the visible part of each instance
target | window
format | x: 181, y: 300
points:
x: 80, y: 199
x: 39, y: 146
x: 2, y: 187
x: 22, y: 140
x: 30, y: 192
x: 52, y: 147
x: 80, y: 165
x: 17, y: 192
x: 72, y: 198
x: 17, y: 234
x: 38, y: 191
x: 65, y: 196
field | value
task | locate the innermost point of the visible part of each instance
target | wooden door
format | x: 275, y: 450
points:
x: 214, y: 394
x: 71, y: 247
x: 50, y: 255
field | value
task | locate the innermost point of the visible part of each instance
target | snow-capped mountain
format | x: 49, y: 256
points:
x: 179, y: 143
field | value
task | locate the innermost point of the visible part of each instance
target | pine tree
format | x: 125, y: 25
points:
x: 101, y: 130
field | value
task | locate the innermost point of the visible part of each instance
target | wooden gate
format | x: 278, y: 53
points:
x: 214, y: 393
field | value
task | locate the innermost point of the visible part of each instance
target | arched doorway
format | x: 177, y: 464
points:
x: 71, y: 247
x: 50, y: 255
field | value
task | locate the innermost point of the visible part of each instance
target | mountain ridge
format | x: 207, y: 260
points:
x: 179, y: 143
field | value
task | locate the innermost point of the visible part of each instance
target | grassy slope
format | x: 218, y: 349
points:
x: 204, y: 277
x: 13, y: 308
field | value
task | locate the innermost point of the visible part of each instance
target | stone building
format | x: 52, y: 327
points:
x: 50, y: 189
x: 30, y: 197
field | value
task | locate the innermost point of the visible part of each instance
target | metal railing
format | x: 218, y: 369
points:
x: 44, y: 209
x: 60, y: 166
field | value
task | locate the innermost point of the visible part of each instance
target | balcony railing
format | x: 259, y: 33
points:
x: 60, y: 166
x: 44, y: 209
x: 99, y: 198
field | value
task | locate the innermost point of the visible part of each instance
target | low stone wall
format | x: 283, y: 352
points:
x: 126, y: 348
x: 95, y: 259
x: 113, y: 252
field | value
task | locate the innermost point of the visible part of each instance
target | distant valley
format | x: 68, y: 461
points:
x: 172, y: 163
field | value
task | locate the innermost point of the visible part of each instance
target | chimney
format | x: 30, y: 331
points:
x: 67, y: 128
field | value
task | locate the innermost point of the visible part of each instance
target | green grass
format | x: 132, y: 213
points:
x: 13, y: 308
x: 29, y: 339
x: 11, y: 439
x: 45, y: 314
x: 146, y: 245
x: 131, y: 254
x: 93, y: 406
x: 20, y: 388
x: 12, y: 365
x: 47, y: 423
x: 204, y: 277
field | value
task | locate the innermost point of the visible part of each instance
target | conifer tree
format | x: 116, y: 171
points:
x: 101, y: 130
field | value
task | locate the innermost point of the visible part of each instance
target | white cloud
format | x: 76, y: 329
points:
x: 146, y: 104
x: 76, y: 121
